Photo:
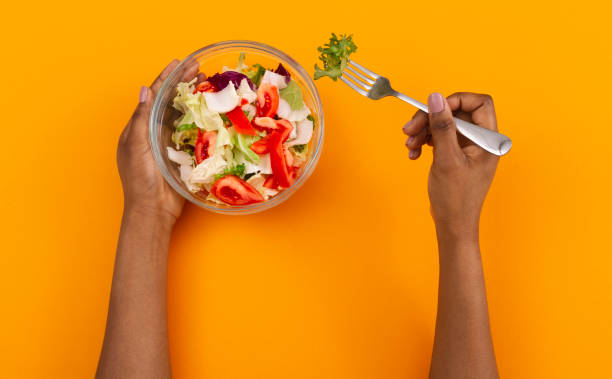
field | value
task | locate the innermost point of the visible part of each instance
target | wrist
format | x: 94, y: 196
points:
x: 151, y: 215
x: 457, y: 233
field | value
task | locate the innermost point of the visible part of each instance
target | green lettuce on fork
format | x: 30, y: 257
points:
x: 335, y: 56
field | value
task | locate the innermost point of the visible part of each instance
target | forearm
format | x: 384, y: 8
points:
x: 136, y: 339
x: 462, y: 345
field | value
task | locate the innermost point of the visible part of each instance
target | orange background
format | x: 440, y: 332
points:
x: 339, y: 281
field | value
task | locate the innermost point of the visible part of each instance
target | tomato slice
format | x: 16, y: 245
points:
x: 205, y: 145
x: 241, y: 122
x: 294, y: 173
x: 261, y: 146
x: 277, y: 160
x: 282, y: 127
x: 270, y: 182
x: 205, y: 87
x: 234, y: 191
x: 285, y: 128
x: 243, y: 101
x: 267, y: 100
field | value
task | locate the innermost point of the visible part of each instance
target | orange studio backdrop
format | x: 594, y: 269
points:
x: 340, y: 281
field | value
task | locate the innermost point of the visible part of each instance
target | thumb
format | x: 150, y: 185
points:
x: 442, y: 127
x: 140, y: 119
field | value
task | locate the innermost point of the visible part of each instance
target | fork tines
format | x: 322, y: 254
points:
x: 361, y: 79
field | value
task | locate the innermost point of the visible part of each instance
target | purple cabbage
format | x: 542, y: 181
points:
x: 222, y: 80
x: 283, y: 71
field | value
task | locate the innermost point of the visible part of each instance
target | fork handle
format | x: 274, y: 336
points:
x: 493, y: 142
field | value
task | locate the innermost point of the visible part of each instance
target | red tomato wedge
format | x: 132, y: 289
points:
x: 282, y: 127
x: 243, y: 101
x: 278, y: 162
x: 270, y: 182
x: 285, y: 128
x: 294, y: 173
x: 241, y: 122
x: 205, y: 87
x: 205, y: 145
x: 234, y: 191
x: 267, y: 100
x: 261, y: 146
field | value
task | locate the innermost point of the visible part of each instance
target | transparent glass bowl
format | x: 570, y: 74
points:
x: 211, y: 60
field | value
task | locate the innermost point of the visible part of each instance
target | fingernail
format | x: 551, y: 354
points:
x: 143, y: 94
x: 407, y: 126
x: 436, y: 102
x: 412, y: 154
x: 410, y: 140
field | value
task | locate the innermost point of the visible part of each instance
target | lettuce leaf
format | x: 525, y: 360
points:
x: 237, y: 170
x: 335, y: 56
x: 255, y: 73
x: 194, y: 108
x: 292, y: 94
x: 184, y: 127
x: 185, y: 137
x: 242, y: 143
x: 223, y: 138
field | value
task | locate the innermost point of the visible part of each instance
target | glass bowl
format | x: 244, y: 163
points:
x: 211, y: 60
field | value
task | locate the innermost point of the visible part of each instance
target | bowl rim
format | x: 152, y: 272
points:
x: 244, y: 209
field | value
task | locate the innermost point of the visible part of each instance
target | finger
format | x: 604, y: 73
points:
x: 191, y: 71
x: 418, y: 140
x: 201, y: 78
x: 414, y: 153
x: 418, y: 122
x: 138, y: 124
x: 442, y: 127
x: 479, y: 106
x: 163, y: 75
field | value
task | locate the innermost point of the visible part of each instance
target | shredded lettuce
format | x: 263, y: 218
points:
x: 194, y: 107
x: 184, y: 127
x: 237, y: 170
x: 223, y: 138
x: 205, y: 172
x: 241, y: 67
x: 186, y: 119
x: 255, y: 73
x: 304, y: 130
x: 185, y: 137
x: 285, y: 111
x: 250, y: 111
x: 300, y: 148
x: 222, y: 101
x: 257, y: 181
x: 243, y: 143
x: 293, y: 95
x: 274, y: 79
x: 228, y: 154
x: 335, y: 56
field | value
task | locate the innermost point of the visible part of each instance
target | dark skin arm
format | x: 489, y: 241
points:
x: 136, y: 340
x: 460, y: 176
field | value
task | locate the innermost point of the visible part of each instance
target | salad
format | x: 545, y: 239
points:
x: 335, y: 56
x: 243, y: 134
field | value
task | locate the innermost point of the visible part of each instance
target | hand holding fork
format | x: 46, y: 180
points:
x: 375, y: 87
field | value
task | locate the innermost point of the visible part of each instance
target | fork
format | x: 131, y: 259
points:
x: 375, y: 87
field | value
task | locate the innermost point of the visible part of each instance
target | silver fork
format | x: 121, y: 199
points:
x: 376, y: 87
